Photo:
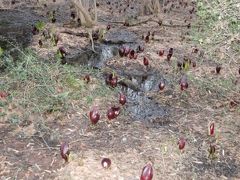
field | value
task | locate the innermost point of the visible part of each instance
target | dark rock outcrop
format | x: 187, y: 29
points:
x: 16, y: 27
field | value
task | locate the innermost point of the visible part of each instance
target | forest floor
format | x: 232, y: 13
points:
x: 30, y: 141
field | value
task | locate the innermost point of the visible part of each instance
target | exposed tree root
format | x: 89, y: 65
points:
x: 159, y: 22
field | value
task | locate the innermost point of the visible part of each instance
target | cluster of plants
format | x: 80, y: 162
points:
x: 37, y: 79
x: 42, y: 80
x: 44, y: 86
x: 218, y: 28
x: 114, y: 111
x: 147, y: 171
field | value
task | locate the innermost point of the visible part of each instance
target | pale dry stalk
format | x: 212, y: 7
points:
x: 152, y: 6
x: 87, y: 21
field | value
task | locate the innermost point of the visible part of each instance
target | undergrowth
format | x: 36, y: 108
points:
x: 40, y: 86
x: 219, y: 30
x: 218, y: 34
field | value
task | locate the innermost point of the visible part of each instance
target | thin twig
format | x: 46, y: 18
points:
x: 81, y: 34
x: 37, y: 149
x: 46, y: 143
x: 149, y: 20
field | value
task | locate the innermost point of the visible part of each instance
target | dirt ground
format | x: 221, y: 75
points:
x: 130, y: 143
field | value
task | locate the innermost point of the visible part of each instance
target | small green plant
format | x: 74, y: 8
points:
x: 1, y: 57
x: 40, y: 25
x: 54, y: 39
x: 14, y: 119
x: 1, y: 51
x: 89, y: 99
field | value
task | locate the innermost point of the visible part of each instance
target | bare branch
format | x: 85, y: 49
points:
x: 84, y: 15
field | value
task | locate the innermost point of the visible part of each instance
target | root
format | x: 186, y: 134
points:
x: 91, y: 39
